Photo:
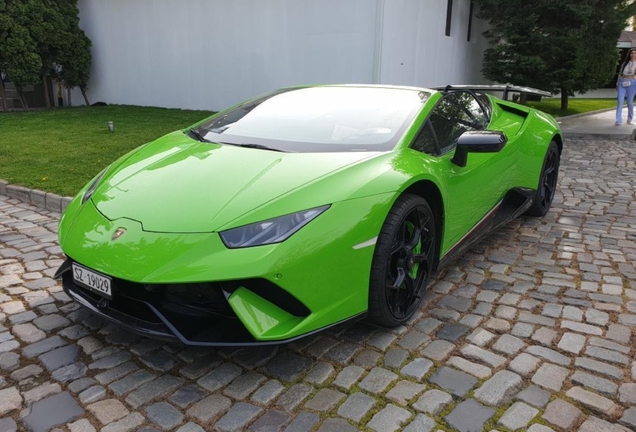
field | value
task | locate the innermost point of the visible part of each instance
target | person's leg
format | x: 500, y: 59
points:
x: 619, y: 103
x: 631, y: 92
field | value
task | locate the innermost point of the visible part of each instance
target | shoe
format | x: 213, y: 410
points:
x: 629, y: 122
x: 617, y: 124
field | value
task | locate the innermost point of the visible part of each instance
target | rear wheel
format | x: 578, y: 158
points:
x: 402, y: 262
x: 547, y: 182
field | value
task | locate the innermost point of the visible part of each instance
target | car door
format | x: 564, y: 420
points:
x: 469, y: 192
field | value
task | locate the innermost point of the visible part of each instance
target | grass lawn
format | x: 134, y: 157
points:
x: 60, y: 150
x: 575, y: 105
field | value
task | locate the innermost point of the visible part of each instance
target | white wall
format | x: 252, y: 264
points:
x: 209, y: 54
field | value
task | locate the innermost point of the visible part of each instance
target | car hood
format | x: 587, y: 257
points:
x: 176, y: 184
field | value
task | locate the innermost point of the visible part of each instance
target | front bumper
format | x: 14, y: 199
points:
x: 193, y: 314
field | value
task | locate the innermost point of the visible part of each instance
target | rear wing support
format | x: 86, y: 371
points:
x: 493, y: 88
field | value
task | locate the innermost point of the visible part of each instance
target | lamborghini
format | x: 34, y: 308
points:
x: 302, y: 209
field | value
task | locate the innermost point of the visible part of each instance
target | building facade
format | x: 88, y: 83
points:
x: 209, y: 54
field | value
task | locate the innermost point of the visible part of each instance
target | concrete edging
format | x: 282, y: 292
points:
x: 44, y: 200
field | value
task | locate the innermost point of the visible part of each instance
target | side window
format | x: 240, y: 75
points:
x: 425, y: 141
x: 457, y: 113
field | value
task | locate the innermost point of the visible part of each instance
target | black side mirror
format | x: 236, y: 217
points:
x: 478, y: 142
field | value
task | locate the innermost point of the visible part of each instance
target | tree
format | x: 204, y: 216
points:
x: 563, y: 46
x: 76, y: 62
x: 18, y: 51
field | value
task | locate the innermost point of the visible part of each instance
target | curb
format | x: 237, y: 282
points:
x: 593, y: 136
x: 573, y: 116
x: 44, y: 200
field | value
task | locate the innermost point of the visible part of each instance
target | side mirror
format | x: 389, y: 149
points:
x: 478, y: 142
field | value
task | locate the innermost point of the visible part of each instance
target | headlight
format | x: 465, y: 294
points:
x: 92, y: 187
x: 270, y: 231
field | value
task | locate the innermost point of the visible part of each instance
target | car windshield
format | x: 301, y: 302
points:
x: 319, y: 119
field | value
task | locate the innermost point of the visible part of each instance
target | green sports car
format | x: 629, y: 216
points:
x: 303, y: 208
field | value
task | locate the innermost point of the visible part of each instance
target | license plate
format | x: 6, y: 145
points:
x: 95, y: 281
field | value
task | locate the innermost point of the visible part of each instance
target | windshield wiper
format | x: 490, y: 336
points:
x: 254, y: 146
x: 197, y: 135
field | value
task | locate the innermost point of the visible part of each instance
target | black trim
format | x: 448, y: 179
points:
x: 513, y: 110
x: 470, y: 20
x: 514, y: 204
x: 157, y: 312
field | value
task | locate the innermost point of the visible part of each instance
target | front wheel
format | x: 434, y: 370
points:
x: 546, y: 189
x: 402, y: 262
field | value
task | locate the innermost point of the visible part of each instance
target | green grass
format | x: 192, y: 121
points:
x: 60, y: 150
x: 575, y: 106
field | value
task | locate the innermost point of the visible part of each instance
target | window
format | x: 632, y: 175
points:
x: 457, y: 113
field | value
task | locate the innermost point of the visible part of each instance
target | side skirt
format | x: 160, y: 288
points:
x: 514, y: 204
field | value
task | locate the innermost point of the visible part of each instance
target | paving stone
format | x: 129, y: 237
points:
x: 619, y: 333
x: 550, y: 376
x: 421, y: 423
x: 517, y: 416
x: 508, y: 345
x: 572, y: 342
x: 480, y: 354
x: 52, y: 411
x: 319, y: 374
x: 9, y: 361
x: 604, y: 343
x: 8, y: 425
x: 40, y: 392
x: 562, y: 414
x: 356, y: 406
x: 522, y: 330
x: 268, y: 392
x: 28, y: 333
x: 116, y: 373
x: 42, y: 346
x: 187, y: 395
x: 367, y: 358
x: 452, y: 332
x: 480, y: 337
x: 599, y: 384
x: 81, y: 384
x: 344, y: 352
x: 244, y: 385
x: 159, y: 360
x: 51, y: 322
x: 377, y: 380
x: 287, y: 366
x: 438, y: 349
x: 220, y: 377
x: 389, y: 419
x: 506, y: 312
x: 549, y: 355
x: 294, y: 396
x: 59, y: 357
x: 26, y: 372
x: 10, y: 399
x: 304, y: 421
x: 627, y: 393
x: 581, y: 328
x: 534, y: 396
x: 456, y: 382
x: 629, y: 418
x: 131, y: 382
x: 348, y: 376
x: 272, y: 420
x: 499, y: 389
x: 536, y: 319
x: 153, y: 389
x: 92, y: 394
x: 164, y: 415
x: 598, y: 367
x: 82, y: 425
x: 413, y: 340
x: 110, y: 361
x: 128, y: 423
x: 433, y: 402
x: 383, y: 340
x: 417, y: 368
x: 324, y: 400
x: 404, y: 391
x: 593, y: 401
x: 608, y: 355
x: 498, y: 325
x: 108, y: 411
x: 595, y: 424
x: 335, y: 425
x: 469, y: 416
x: 209, y: 408
x: 395, y: 357
x: 472, y: 368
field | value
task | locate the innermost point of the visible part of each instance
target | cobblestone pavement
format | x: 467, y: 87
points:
x: 531, y: 329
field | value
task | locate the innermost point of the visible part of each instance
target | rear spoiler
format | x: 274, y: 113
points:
x: 492, y: 88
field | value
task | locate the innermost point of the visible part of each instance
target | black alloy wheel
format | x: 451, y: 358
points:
x: 546, y: 189
x: 403, y: 261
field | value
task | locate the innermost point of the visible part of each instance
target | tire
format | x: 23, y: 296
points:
x: 402, y: 262
x: 543, y: 196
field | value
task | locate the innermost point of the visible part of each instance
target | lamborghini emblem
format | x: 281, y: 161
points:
x: 118, y: 233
